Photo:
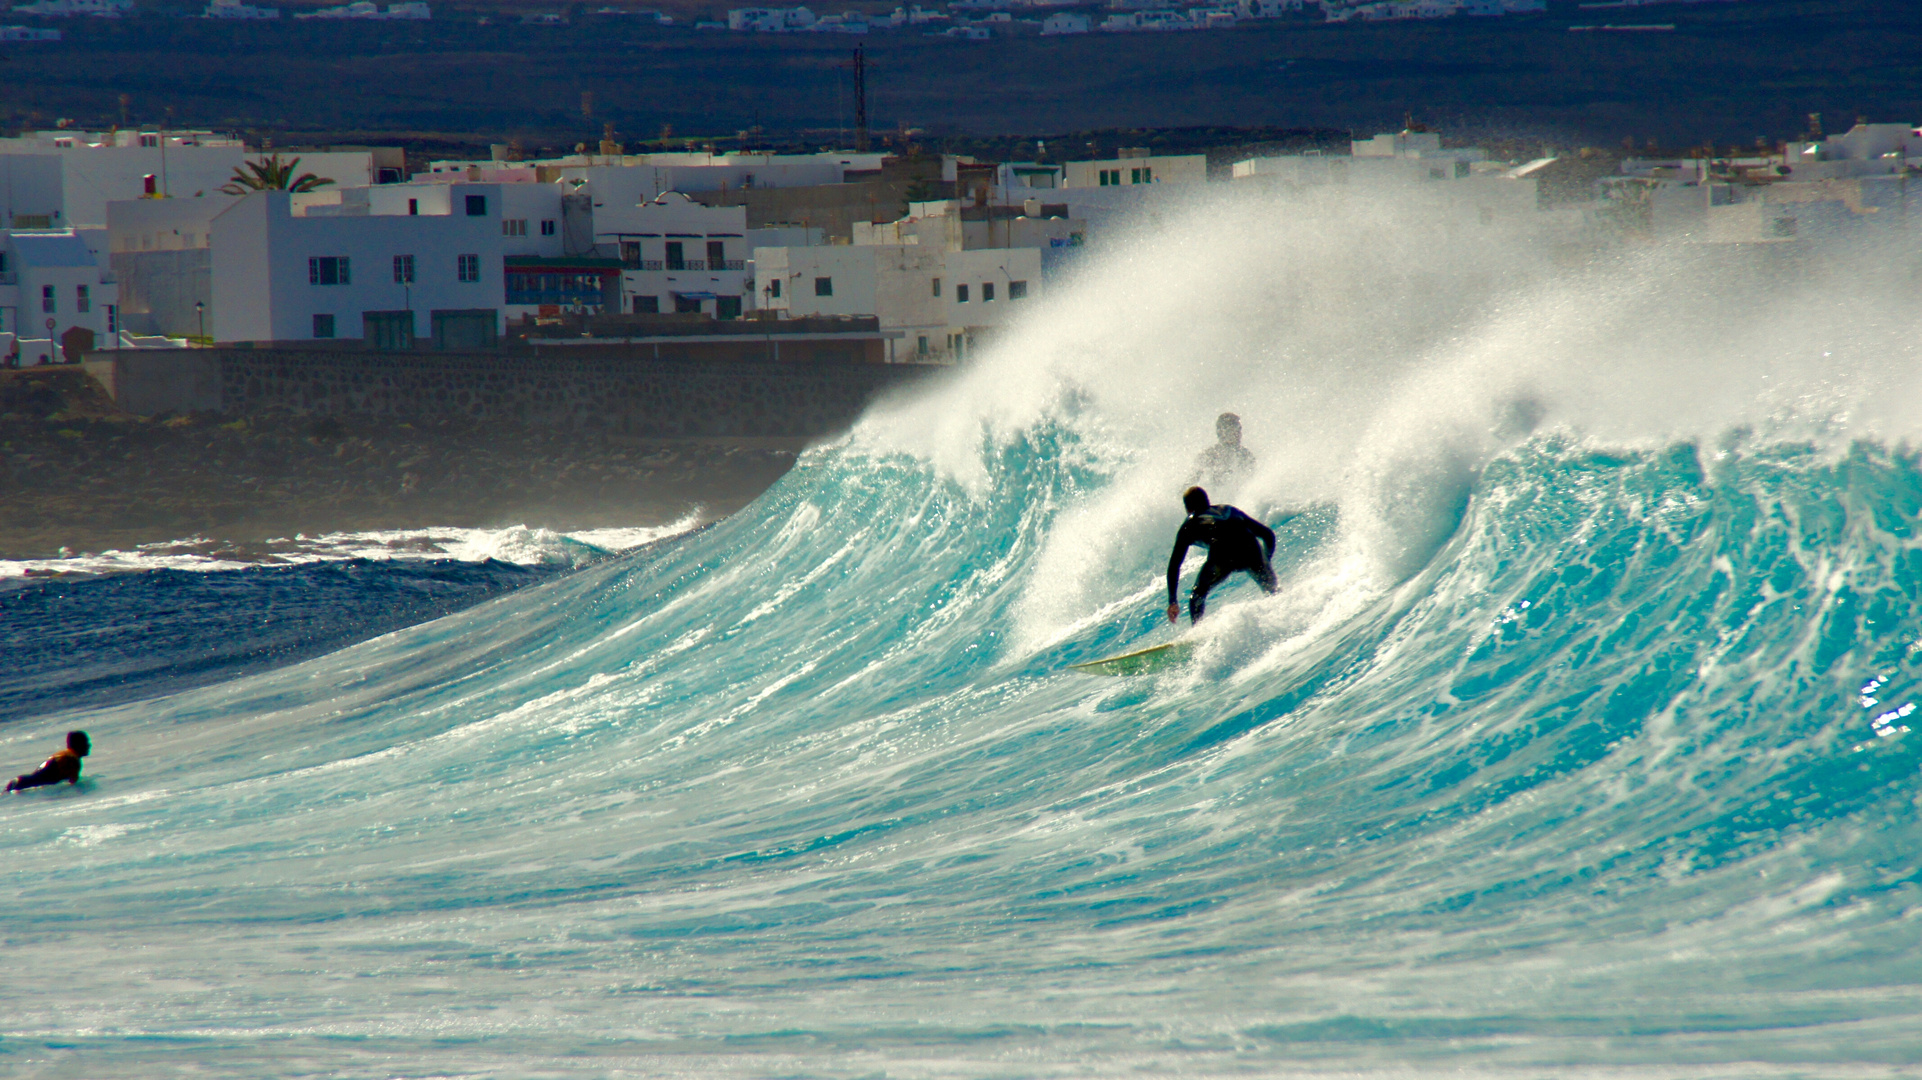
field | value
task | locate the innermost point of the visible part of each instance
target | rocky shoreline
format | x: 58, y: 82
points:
x: 78, y: 474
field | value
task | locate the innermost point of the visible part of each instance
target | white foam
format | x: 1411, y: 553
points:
x: 519, y: 544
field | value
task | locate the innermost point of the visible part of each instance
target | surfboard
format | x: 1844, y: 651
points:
x: 1140, y: 662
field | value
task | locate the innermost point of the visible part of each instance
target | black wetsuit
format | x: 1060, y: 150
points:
x: 1234, y: 541
x: 63, y: 765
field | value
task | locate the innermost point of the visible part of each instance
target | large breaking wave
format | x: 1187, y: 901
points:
x: 1577, y: 736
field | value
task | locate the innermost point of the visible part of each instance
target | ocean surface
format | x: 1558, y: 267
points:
x: 1576, y: 742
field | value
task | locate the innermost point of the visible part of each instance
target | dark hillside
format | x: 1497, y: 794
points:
x: 1729, y: 72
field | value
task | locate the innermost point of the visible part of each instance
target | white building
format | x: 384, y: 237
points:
x: 1065, y: 22
x: 67, y: 178
x: 52, y: 283
x: 679, y: 256
x: 401, y: 262
x: 770, y: 20
x: 1137, y: 167
x: 939, y: 301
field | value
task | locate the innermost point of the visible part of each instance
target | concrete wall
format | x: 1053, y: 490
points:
x: 628, y: 396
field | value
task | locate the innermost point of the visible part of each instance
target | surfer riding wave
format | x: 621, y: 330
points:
x: 1234, y: 541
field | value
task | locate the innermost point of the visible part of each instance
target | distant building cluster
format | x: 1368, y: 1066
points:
x: 98, y: 9
x: 981, y: 19
x: 367, y: 9
x: 140, y: 238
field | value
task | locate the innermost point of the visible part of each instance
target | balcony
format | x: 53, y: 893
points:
x: 727, y: 264
x: 645, y: 264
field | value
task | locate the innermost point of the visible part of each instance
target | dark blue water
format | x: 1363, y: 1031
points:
x: 96, y: 641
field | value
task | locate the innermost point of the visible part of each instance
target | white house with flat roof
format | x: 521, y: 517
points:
x: 400, y: 263
x: 938, y: 301
x: 1137, y: 167
x: 53, y: 282
x: 679, y: 256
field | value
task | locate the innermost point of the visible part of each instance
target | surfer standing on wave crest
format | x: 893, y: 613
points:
x: 1227, y: 462
x: 1234, y: 541
x: 63, y: 765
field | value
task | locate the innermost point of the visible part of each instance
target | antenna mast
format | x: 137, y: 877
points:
x: 860, y: 65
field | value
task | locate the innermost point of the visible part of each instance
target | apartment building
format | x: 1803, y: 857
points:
x: 402, y: 263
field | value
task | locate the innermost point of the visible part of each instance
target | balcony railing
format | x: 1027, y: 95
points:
x: 727, y: 264
x: 647, y: 264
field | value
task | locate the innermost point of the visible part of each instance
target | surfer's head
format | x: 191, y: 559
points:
x: 1195, y: 499
x: 1228, y: 429
x: 78, y: 742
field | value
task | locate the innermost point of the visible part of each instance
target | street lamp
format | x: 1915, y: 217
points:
x: 200, y: 314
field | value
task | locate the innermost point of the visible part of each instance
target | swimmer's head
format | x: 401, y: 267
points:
x: 1195, y: 499
x: 1228, y: 429
x: 78, y: 742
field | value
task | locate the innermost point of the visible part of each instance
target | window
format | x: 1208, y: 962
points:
x: 469, y: 267
x: 987, y: 291
x: 960, y: 294
x: 113, y: 319
x: 413, y: 208
x: 477, y: 206
x: 47, y: 302
x: 921, y: 345
x: 82, y: 301
x: 3, y: 262
x: 547, y: 226
x: 824, y: 286
x: 676, y: 257
x: 774, y: 288
x: 513, y: 226
x: 1137, y: 176
x: 716, y: 255
x: 329, y: 270
x: 727, y: 307
x: 630, y: 253
x: 686, y: 305
x: 1017, y: 290
x: 1110, y: 177
x: 150, y: 140
x: 403, y: 269
x: 647, y: 305
x: 937, y: 286
x: 323, y: 326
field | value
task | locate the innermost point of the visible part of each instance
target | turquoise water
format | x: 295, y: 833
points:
x: 1561, y: 751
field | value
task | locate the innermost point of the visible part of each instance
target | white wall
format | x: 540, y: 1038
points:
x: 93, y: 176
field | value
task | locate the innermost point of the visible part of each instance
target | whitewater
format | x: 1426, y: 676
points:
x: 1575, y: 742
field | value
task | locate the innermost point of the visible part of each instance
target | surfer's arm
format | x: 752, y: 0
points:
x: 1183, y: 542
x: 1265, y: 534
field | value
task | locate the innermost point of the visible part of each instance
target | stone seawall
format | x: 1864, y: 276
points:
x: 629, y: 396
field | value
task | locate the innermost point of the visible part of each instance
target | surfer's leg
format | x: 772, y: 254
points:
x: 1264, y: 576
x: 36, y: 778
x: 1211, y: 575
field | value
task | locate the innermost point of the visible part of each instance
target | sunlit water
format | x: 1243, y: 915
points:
x: 1576, y: 741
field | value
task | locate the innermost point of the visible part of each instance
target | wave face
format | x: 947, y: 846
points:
x: 1577, y: 735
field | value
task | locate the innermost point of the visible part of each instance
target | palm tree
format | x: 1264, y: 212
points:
x: 272, y: 174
